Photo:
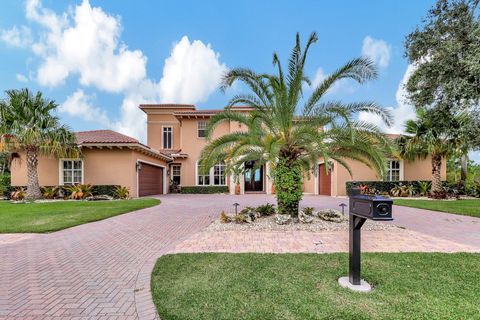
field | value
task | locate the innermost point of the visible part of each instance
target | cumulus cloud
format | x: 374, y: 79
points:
x: 85, y: 42
x: 191, y: 73
x: 80, y: 105
x: 16, y: 37
x: 401, y: 113
x: 377, y: 50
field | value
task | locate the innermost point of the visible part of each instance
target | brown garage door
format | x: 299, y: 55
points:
x: 325, y: 181
x: 150, y: 180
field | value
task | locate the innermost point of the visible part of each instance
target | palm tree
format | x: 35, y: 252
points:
x: 435, y: 132
x: 292, y: 132
x: 26, y: 124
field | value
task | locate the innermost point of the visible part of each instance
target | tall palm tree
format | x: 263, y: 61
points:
x: 27, y: 124
x: 292, y: 132
x: 436, y: 133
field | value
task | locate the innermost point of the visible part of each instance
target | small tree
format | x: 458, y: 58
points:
x: 27, y: 124
x: 435, y: 132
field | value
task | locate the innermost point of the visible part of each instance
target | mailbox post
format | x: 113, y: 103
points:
x: 362, y: 207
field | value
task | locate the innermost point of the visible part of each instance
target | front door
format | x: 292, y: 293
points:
x: 325, y: 181
x: 253, y: 177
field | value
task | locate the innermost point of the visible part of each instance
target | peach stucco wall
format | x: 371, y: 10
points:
x: 100, y: 167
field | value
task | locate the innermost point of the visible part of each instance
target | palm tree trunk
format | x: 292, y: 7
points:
x: 436, y: 173
x: 33, y: 187
x: 463, y: 169
x: 288, y: 184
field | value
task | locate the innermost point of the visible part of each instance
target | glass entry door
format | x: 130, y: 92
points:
x: 253, y: 177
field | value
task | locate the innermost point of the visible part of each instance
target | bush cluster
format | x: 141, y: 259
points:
x: 203, y: 189
x: 5, y: 185
x: 410, y: 188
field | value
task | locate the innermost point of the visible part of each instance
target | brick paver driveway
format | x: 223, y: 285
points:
x: 102, y: 270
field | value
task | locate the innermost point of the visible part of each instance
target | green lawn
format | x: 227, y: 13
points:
x: 304, y: 286
x: 53, y: 216
x: 463, y: 207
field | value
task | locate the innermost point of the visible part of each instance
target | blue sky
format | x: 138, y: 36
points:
x: 100, y: 59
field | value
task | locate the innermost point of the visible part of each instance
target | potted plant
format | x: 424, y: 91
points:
x: 237, y: 172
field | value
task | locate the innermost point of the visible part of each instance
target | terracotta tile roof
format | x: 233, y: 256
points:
x: 103, y: 136
x: 393, y: 135
x: 169, y: 151
x: 167, y: 105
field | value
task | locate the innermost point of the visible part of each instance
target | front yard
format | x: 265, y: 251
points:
x: 470, y: 207
x: 53, y: 216
x: 304, y: 286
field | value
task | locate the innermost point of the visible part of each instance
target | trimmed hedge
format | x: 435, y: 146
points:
x: 381, y: 186
x: 106, y: 189
x: 203, y: 189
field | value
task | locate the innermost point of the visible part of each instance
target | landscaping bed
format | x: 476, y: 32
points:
x: 304, y: 286
x: 267, y: 223
x: 467, y: 207
x: 58, y: 215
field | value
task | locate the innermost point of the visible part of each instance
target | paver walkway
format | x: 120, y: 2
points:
x: 102, y: 270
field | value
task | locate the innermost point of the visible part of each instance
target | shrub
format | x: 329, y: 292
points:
x: 424, y: 187
x: 266, y: 209
x: 240, y: 218
x: 203, y: 189
x: 49, y: 192
x: 18, y: 194
x: 107, y: 189
x: 79, y: 191
x: 224, y: 218
x: 5, y: 185
x: 122, y: 192
x: 382, y: 187
x: 308, y: 211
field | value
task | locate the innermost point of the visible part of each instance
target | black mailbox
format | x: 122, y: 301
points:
x: 363, y: 207
x: 371, y: 207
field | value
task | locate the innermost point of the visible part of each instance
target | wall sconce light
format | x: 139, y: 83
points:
x: 168, y: 172
x: 138, y: 166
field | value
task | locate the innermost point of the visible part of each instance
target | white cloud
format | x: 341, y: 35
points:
x: 191, y: 73
x: 80, y: 105
x: 21, y: 78
x: 346, y: 86
x: 401, y: 113
x: 377, y: 50
x: 86, y: 43
x: 16, y: 37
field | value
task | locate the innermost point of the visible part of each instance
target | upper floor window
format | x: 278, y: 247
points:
x: 393, y: 170
x: 202, y: 129
x: 167, y: 137
x: 71, y: 171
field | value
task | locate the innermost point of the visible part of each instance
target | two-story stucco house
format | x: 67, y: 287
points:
x: 175, y: 138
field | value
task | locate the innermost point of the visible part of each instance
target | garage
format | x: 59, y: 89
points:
x: 150, y: 180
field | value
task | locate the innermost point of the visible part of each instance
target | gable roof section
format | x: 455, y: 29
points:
x: 103, y: 136
x: 110, y: 138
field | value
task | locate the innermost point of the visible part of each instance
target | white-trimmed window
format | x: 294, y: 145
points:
x: 202, y: 179
x: 219, y: 174
x: 71, y: 171
x: 167, y: 137
x: 202, y: 129
x: 176, y: 170
x: 394, y: 170
x: 214, y: 177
